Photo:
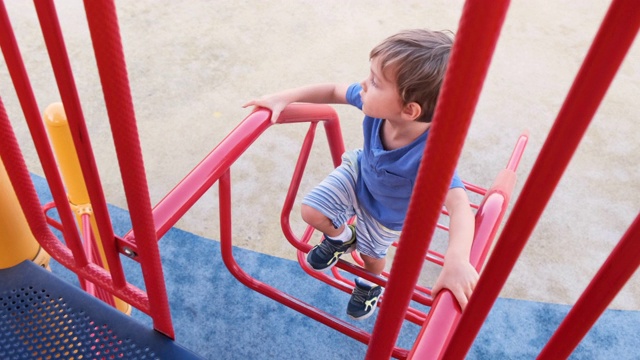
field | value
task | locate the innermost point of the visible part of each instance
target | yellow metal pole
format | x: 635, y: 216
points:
x: 17, y: 243
x: 62, y: 143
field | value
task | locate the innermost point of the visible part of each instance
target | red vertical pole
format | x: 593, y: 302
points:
x: 616, y: 271
x: 62, y: 70
x: 612, y: 42
x: 105, y: 35
x: 470, y: 58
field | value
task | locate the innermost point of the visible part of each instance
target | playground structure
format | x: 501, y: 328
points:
x: 150, y: 224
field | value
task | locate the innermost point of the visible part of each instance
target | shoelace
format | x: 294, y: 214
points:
x: 327, y: 249
x: 359, y: 295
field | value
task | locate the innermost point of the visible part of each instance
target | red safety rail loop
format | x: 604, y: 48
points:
x: 613, y: 40
x: 235, y: 144
x: 302, y: 243
x: 267, y: 290
x: 487, y: 223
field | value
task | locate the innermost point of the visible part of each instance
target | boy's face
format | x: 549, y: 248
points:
x: 380, y: 98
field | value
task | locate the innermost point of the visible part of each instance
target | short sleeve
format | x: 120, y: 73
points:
x: 456, y: 182
x: 353, y: 95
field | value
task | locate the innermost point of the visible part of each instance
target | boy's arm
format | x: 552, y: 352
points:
x: 317, y: 94
x: 458, y: 275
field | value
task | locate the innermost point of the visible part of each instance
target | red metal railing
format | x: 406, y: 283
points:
x: 488, y: 218
x: 446, y: 333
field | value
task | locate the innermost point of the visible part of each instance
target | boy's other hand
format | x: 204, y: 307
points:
x: 459, y: 277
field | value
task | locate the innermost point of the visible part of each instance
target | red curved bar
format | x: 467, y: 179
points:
x: 269, y: 291
x: 26, y: 193
x: 27, y: 100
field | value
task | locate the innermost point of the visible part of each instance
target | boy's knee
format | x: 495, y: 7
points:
x: 310, y: 215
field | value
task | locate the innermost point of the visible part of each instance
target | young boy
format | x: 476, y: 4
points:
x: 375, y: 183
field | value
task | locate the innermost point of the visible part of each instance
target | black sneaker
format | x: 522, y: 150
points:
x: 327, y: 253
x: 364, y: 300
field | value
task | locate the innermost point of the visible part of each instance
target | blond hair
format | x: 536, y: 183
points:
x: 418, y: 60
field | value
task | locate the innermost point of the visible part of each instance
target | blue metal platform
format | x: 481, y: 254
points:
x: 42, y: 316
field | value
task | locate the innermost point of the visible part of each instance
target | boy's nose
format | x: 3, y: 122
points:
x: 363, y: 83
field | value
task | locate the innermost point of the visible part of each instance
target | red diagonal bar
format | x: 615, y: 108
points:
x: 612, y: 42
x: 477, y: 36
x: 612, y: 276
x: 105, y: 35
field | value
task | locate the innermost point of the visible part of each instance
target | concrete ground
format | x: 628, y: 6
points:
x: 192, y: 64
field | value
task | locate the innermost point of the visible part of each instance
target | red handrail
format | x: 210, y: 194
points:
x: 176, y: 203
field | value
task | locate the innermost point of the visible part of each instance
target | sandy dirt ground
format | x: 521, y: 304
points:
x: 192, y: 64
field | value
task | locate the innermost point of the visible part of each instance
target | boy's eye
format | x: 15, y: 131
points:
x: 372, y: 81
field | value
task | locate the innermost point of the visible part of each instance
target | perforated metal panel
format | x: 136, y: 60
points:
x: 41, y: 317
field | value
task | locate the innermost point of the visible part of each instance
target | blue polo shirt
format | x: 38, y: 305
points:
x: 387, y: 177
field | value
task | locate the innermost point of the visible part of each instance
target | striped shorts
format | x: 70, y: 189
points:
x: 335, y: 197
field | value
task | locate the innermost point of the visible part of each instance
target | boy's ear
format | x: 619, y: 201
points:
x: 412, y: 111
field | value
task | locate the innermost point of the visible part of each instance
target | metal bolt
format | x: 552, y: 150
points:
x: 129, y: 252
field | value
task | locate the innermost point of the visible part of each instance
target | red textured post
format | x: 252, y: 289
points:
x: 616, y: 271
x: 105, y: 35
x: 470, y: 58
x: 612, y: 42
x: 62, y: 70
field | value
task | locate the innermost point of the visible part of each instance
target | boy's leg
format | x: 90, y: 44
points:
x: 337, y: 241
x: 373, y: 242
x: 373, y: 265
x: 320, y: 222
x: 365, y: 295
x: 327, y: 208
